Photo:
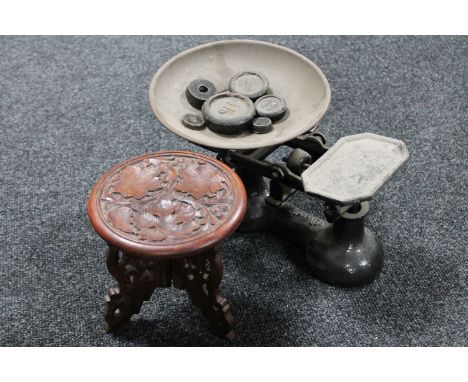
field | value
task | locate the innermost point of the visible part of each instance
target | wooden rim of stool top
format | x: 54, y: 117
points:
x: 167, y: 204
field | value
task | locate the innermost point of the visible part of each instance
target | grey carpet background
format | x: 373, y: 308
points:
x: 71, y: 107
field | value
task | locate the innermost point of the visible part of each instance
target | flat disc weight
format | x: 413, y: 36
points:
x: 228, y: 113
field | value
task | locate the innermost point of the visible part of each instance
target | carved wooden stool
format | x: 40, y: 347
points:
x: 164, y: 217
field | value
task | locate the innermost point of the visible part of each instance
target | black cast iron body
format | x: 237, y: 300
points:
x: 339, y: 250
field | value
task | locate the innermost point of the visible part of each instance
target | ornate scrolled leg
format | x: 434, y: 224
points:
x: 201, y: 276
x: 137, y: 280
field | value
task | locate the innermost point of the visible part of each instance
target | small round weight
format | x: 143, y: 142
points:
x: 228, y: 113
x: 198, y: 91
x: 262, y: 125
x: 250, y: 84
x: 270, y: 106
x: 193, y: 121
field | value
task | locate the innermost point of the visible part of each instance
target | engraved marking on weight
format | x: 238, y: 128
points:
x: 249, y: 83
x: 228, y: 108
x: 270, y: 105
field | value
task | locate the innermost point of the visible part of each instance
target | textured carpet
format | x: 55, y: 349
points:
x: 71, y: 107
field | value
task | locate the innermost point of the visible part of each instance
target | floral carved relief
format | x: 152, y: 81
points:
x: 166, y: 199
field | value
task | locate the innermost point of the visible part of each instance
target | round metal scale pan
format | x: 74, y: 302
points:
x: 292, y: 76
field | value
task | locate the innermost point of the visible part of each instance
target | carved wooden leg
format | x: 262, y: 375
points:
x: 137, y: 280
x: 200, y: 276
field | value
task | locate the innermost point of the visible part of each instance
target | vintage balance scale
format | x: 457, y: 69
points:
x: 340, y: 250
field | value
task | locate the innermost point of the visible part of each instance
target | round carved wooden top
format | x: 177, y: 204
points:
x: 170, y: 203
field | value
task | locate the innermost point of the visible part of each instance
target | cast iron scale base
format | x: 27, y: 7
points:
x: 340, y: 250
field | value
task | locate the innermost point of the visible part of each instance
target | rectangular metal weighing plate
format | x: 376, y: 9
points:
x: 355, y: 168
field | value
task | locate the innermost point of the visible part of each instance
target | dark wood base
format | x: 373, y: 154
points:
x: 137, y: 278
